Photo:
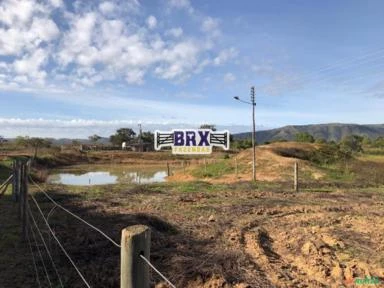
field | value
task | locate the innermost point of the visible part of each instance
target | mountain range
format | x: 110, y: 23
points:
x: 328, y: 132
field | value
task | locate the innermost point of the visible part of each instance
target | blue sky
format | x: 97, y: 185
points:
x: 75, y: 68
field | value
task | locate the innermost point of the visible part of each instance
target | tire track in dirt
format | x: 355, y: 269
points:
x: 259, y: 245
x: 300, y: 247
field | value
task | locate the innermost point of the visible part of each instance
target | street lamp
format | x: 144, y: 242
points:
x: 253, y: 103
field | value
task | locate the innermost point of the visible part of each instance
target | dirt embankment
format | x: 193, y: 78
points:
x: 274, y: 162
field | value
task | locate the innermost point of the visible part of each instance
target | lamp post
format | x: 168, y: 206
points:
x: 253, y: 103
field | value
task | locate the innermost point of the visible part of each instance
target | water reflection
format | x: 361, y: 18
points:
x: 108, y: 177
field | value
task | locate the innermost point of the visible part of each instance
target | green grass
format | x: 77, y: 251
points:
x: 196, y: 186
x: 214, y: 170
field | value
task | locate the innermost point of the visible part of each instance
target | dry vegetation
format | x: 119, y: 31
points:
x: 223, y: 231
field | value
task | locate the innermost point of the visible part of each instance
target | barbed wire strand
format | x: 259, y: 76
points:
x: 74, y: 215
x: 51, y: 212
x: 58, y: 242
x: 157, y: 271
x: 6, y: 181
x: 34, y: 261
x: 41, y: 257
x: 45, y: 245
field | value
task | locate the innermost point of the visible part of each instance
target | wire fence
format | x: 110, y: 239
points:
x: 48, y: 264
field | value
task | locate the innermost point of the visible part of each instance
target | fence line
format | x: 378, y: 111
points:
x: 21, y: 175
x: 58, y: 242
x: 34, y: 261
x: 74, y: 215
x: 41, y: 256
x: 157, y: 271
x: 45, y: 245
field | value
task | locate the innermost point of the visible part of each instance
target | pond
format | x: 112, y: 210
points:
x: 84, y: 176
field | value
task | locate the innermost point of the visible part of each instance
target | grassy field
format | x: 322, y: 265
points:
x: 213, y: 228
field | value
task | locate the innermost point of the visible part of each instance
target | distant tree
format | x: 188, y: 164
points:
x: 148, y: 137
x: 352, y: 144
x: 304, y: 137
x: 367, y: 141
x: 2, y: 140
x: 35, y: 142
x: 94, y: 138
x: 379, y: 142
x: 242, y: 144
x: 208, y: 126
x: 320, y: 141
x: 122, y: 135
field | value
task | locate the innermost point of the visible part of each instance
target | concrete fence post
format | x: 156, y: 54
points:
x: 134, y: 272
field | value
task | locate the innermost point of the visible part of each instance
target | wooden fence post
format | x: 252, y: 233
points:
x: 19, y: 179
x: 21, y: 188
x: 296, y: 177
x: 168, y: 170
x: 134, y: 272
x: 14, y: 181
x: 236, y: 168
x: 24, y: 215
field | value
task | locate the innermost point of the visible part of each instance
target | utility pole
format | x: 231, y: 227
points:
x: 140, y: 138
x: 253, y: 133
x: 253, y: 103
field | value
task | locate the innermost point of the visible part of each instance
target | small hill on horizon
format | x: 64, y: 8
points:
x: 328, y: 132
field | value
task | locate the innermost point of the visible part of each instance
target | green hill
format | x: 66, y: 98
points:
x: 328, y: 132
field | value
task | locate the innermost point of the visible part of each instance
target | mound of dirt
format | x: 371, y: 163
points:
x: 274, y: 162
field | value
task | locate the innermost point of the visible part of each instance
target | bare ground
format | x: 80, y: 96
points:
x: 210, y: 234
x: 227, y: 236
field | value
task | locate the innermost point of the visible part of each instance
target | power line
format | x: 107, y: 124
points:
x: 58, y: 242
x: 326, y: 72
x: 74, y: 215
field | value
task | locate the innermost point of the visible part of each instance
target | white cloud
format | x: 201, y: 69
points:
x: 107, y: 7
x: 30, y: 65
x: 82, y: 128
x: 229, y: 77
x: 24, y: 25
x: 181, y: 58
x: 151, y: 22
x: 225, y: 55
x: 44, y: 30
x: 57, y: 3
x: 135, y: 76
x: 107, y: 38
x: 175, y: 32
x: 16, y: 13
x: 181, y: 4
x: 211, y: 26
x: 76, y: 42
